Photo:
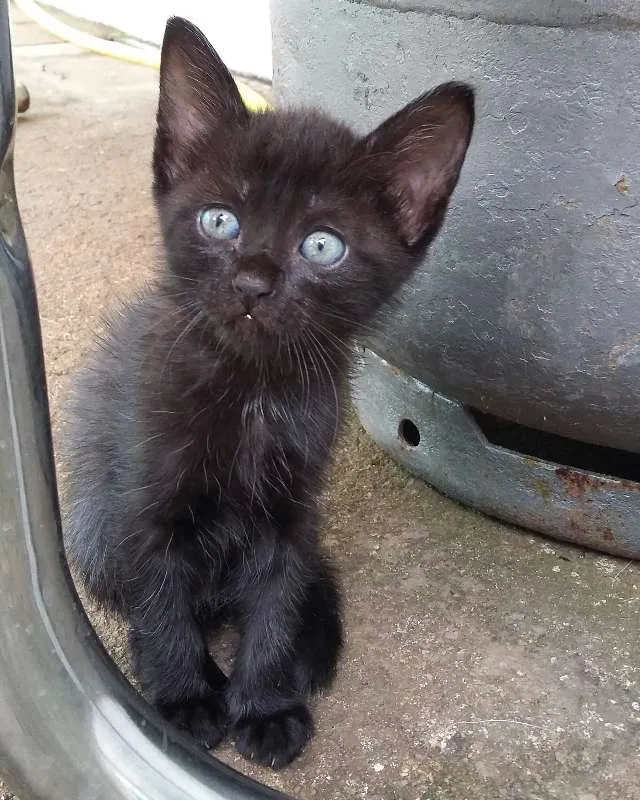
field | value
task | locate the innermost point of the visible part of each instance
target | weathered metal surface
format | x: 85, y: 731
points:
x: 528, y: 306
x: 453, y: 455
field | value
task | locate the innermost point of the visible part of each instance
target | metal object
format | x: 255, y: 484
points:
x: 438, y: 439
x: 71, y: 727
x: 527, y: 307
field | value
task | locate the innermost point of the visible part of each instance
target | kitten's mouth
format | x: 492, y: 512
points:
x: 246, y: 324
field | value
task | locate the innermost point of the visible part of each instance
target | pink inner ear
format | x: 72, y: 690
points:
x: 420, y: 194
x: 423, y: 179
x: 197, y: 93
x: 421, y: 150
x: 184, y: 126
x: 187, y: 111
x: 416, y: 190
x: 191, y: 125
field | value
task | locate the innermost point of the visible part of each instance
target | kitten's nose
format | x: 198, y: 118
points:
x: 251, y: 286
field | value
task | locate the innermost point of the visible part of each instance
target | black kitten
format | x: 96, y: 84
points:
x: 203, y: 426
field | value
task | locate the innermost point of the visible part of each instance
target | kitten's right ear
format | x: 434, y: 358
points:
x: 197, y: 94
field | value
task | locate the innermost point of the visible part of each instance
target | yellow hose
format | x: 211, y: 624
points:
x: 147, y: 56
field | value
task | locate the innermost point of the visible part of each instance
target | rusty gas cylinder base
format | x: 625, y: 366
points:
x: 439, y: 439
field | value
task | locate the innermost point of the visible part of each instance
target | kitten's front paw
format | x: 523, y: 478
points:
x: 274, y: 740
x: 205, y: 718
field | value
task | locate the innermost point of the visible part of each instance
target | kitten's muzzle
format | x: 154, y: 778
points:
x: 254, y: 284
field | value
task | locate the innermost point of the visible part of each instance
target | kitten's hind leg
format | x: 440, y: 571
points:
x: 88, y: 550
x: 289, y: 649
x: 169, y: 649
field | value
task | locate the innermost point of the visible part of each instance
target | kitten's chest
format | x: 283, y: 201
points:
x: 237, y: 451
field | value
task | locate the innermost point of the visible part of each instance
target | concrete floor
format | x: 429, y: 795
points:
x: 481, y: 661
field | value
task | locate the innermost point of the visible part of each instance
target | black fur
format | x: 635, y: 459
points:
x: 200, y: 436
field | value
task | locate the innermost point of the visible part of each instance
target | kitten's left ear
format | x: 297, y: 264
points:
x: 197, y: 94
x: 419, y: 153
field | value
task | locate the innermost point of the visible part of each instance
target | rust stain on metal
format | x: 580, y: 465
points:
x: 577, y: 484
x: 583, y: 525
x: 584, y: 529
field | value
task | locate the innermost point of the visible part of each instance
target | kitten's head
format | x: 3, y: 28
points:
x: 284, y: 226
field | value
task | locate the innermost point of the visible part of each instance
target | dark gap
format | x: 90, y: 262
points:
x: 559, y: 449
x: 409, y: 433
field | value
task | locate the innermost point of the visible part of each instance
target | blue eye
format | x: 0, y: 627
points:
x: 324, y: 248
x: 218, y: 222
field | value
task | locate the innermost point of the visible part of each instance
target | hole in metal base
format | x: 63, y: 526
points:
x: 409, y: 433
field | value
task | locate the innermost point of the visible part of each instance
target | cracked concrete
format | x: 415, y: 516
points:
x: 481, y: 661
